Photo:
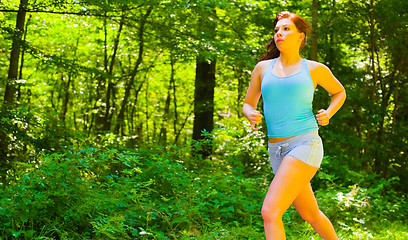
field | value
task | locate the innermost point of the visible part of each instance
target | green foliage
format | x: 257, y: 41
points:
x: 99, y: 190
x: 244, y: 149
x: 107, y: 193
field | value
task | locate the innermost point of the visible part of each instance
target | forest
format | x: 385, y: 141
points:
x: 122, y: 119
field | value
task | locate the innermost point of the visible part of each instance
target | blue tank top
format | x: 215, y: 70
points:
x: 288, y: 102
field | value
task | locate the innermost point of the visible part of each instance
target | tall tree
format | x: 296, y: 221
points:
x: 11, y: 89
x: 204, y: 83
x: 315, y: 13
x: 204, y: 96
x: 103, y: 118
x: 11, y: 85
x: 129, y: 85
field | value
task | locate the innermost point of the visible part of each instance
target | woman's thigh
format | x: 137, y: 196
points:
x: 306, y: 204
x: 292, y: 177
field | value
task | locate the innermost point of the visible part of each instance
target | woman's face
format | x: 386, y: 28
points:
x: 287, y: 36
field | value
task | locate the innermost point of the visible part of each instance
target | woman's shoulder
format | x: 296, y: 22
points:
x: 262, y: 65
x: 266, y: 62
x: 319, y: 72
x: 316, y: 66
x: 260, y: 69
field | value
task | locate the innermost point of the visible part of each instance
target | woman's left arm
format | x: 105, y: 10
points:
x: 322, y: 76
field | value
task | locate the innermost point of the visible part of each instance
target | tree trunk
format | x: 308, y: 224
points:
x: 331, y: 55
x: 372, y: 50
x: 66, y: 96
x: 240, y: 76
x: 173, y: 84
x: 172, y: 87
x: 205, y: 84
x: 65, y: 99
x: 102, y: 117
x: 204, y: 100
x: 130, y: 83
x: 395, y: 113
x: 11, y: 89
x: 368, y: 148
x: 109, y: 92
x: 178, y: 133
x: 20, y: 76
x: 163, y: 130
x: 315, y: 10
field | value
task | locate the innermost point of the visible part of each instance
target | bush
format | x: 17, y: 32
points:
x: 98, y: 190
x: 106, y: 193
x: 245, y: 150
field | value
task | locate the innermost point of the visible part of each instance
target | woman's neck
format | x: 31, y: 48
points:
x: 288, y: 59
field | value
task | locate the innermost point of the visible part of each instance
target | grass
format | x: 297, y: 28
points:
x: 390, y: 231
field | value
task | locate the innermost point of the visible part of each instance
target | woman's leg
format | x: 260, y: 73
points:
x: 292, y: 177
x: 307, y: 207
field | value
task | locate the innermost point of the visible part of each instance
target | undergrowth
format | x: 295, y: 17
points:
x: 100, y: 190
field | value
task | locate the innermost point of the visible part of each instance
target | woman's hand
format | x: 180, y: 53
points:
x: 255, y: 117
x: 322, y: 117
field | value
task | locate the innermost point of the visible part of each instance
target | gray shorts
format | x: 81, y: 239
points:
x: 307, y: 147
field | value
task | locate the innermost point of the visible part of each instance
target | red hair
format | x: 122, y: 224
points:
x: 302, y: 26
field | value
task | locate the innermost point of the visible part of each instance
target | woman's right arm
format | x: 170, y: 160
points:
x: 253, y: 94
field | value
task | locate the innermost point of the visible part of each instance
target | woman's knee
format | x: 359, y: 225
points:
x: 312, y: 216
x: 271, y: 214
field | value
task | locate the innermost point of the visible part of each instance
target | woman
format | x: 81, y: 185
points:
x: 287, y: 83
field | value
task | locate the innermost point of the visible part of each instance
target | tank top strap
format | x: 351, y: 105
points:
x: 268, y: 72
x: 305, y: 71
x: 304, y: 65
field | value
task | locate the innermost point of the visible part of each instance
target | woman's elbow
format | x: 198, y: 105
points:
x: 344, y: 94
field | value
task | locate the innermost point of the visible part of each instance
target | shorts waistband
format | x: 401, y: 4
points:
x: 295, y: 138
